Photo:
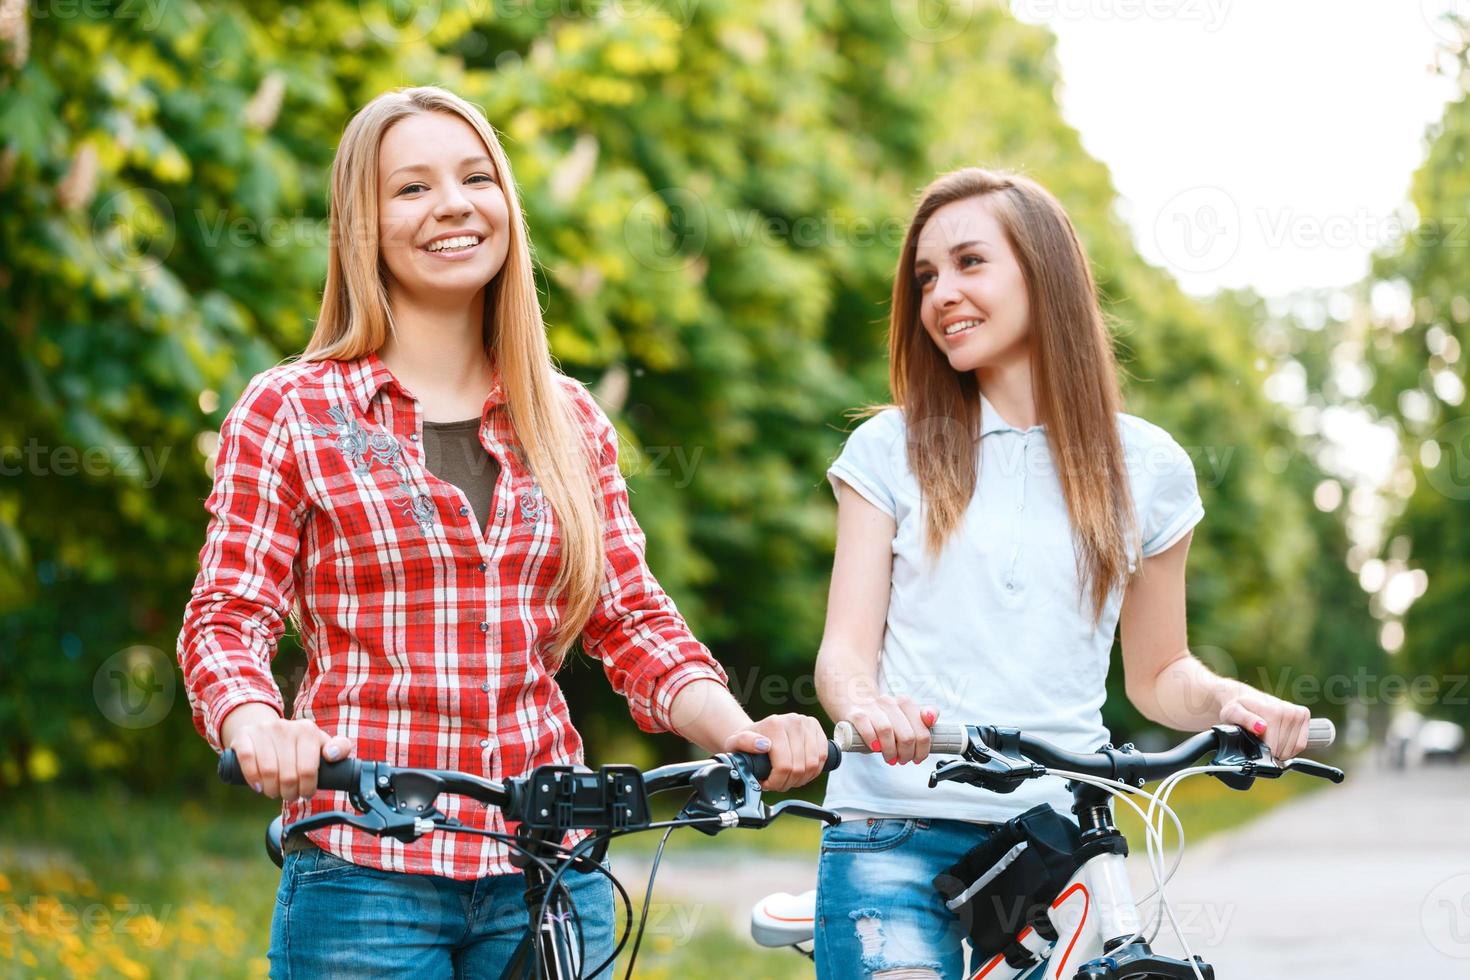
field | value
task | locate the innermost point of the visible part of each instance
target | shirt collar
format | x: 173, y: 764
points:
x: 367, y: 375
x: 990, y: 421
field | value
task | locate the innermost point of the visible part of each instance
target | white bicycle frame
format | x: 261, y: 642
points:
x: 1093, y: 915
x: 1096, y: 905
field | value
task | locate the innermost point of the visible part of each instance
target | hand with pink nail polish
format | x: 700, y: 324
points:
x: 895, y: 726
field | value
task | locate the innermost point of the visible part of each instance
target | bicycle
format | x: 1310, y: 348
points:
x: 545, y: 805
x: 1094, y: 920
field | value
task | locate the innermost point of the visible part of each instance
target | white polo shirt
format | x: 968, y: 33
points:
x: 993, y: 631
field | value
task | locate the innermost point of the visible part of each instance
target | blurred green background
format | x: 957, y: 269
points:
x: 716, y: 192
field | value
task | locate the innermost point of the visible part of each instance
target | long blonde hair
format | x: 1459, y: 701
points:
x: 1074, y: 377
x: 356, y: 319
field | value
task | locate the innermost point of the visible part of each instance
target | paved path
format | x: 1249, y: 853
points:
x: 1363, y: 881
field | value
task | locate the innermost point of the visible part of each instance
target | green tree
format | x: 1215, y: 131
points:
x: 716, y: 194
x: 1420, y: 385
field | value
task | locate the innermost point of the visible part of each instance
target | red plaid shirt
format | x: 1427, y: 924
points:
x: 425, y: 637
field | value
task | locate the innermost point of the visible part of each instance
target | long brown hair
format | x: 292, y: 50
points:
x: 356, y: 319
x: 1074, y: 377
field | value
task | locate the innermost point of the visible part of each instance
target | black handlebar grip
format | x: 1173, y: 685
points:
x: 329, y: 775
x: 340, y: 775
x: 760, y: 765
x: 229, y: 768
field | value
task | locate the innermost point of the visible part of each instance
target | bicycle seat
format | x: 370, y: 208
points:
x: 783, y: 919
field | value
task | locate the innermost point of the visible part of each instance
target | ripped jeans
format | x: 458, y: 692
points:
x: 878, y: 914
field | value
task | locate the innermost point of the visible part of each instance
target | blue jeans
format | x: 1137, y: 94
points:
x: 877, y: 908
x: 338, y: 919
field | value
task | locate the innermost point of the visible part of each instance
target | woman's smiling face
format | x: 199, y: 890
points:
x: 443, y: 223
x: 972, y: 293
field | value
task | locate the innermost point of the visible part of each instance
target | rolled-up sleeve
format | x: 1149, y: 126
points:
x: 237, y: 609
x: 635, y: 630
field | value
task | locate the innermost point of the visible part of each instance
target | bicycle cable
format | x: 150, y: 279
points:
x: 647, y: 897
x: 1154, y: 843
x: 1153, y: 837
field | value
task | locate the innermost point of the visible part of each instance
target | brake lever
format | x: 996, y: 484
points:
x: 727, y: 790
x: 1309, y: 768
x: 801, y: 808
x: 1241, y: 750
x: 389, y: 824
x: 1246, y: 752
x: 996, y: 773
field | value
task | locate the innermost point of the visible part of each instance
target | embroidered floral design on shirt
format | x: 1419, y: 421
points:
x: 533, y: 505
x: 352, y: 441
x: 356, y: 444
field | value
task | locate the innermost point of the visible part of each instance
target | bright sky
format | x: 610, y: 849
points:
x: 1263, y: 143
x: 1269, y: 144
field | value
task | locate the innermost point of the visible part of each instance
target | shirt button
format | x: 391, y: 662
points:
x: 484, y: 743
x: 464, y: 512
x: 484, y: 627
x: 500, y: 512
x: 483, y: 566
x: 485, y: 686
x: 414, y: 437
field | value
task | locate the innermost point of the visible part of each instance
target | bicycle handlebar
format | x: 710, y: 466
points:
x: 730, y: 781
x: 951, y: 738
x: 1232, y: 745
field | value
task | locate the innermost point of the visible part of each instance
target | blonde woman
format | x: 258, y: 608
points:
x: 442, y: 513
x: 995, y: 527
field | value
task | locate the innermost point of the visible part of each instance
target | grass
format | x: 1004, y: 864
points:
x: 113, y: 884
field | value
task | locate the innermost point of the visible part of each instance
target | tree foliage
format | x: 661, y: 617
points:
x: 716, y: 193
x: 1419, y: 385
